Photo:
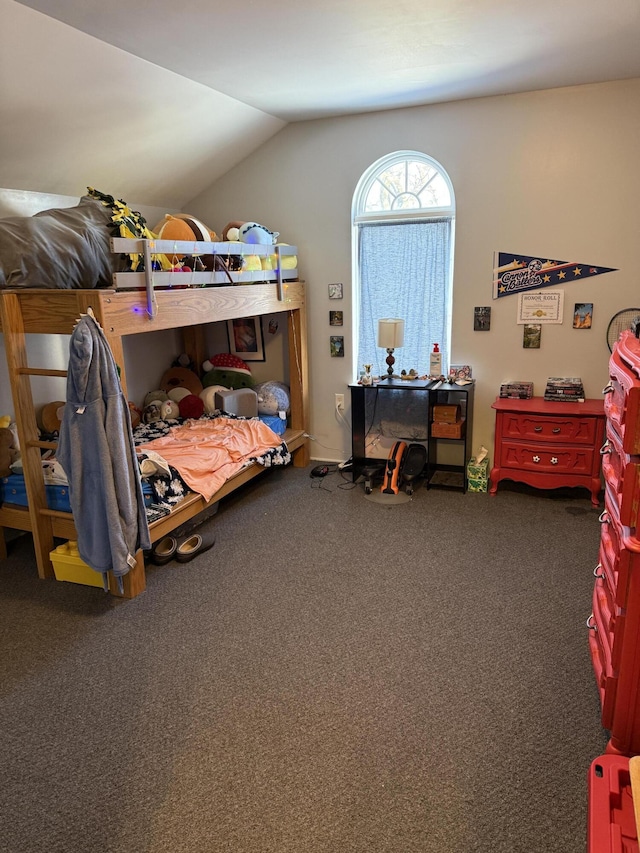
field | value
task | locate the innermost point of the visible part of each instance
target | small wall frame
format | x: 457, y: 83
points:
x: 245, y: 338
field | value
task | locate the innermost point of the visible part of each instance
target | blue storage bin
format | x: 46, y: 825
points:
x: 13, y: 491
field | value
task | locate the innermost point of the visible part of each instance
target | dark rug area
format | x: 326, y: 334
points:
x: 334, y: 675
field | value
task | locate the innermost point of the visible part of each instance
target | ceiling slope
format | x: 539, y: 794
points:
x: 299, y: 60
x: 75, y: 111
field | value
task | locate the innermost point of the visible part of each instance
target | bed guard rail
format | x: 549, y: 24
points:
x: 189, y: 263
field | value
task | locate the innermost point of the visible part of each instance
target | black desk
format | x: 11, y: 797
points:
x: 402, y: 410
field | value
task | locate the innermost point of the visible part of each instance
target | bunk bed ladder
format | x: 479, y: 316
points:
x: 30, y: 445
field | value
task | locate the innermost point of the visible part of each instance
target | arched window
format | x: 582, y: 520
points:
x: 403, y: 228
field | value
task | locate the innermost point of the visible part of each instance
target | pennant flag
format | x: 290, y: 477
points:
x: 517, y: 273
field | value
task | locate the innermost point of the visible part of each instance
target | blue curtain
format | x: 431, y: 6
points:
x: 405, y: 271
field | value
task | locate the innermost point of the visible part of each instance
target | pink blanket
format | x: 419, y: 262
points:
x: 206, y: 453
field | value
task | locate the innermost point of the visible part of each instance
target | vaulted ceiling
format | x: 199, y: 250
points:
x: 155, y: 101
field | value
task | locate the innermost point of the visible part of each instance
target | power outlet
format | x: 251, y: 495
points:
x: 340, y: 401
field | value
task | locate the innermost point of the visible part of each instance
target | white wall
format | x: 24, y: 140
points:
x: 551, y: 173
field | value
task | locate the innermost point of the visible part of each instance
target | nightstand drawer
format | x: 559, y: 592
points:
x: 547, y: 459
x: 549, y: 429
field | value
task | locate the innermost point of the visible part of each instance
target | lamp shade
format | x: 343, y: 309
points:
x: 390, y: 333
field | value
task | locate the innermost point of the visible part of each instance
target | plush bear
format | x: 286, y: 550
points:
x: 227, y: 370
x: 181, y: 377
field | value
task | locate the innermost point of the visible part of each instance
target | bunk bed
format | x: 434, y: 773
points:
x: 141, y: 302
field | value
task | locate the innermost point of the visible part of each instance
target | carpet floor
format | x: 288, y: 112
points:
x: 334, y: 675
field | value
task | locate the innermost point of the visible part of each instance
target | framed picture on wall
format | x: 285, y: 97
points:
x: 336, y: 346
x: 531, y: 335
x: 336, y: 318
x: 481, y: 319
x: 582, y: 315
x: 245, y: 338
x: 335, y: 291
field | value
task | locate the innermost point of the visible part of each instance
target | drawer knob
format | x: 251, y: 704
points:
x: 591, y: 623
x: 555, y: 430
x: 606, y: 448
x: 603, y: 518
x: 596, y: 572
x: 554, y: 460
x: 537, y: 429
x: 536, y: 458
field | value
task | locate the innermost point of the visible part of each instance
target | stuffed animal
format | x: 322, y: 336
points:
x: 249, y: 232
x: 273, y: 398
x: 181, y: 377
x: 183, y: 226
x: 184, y: 360
x: 176, y: 394
x: 208, y: 397
x: 152, y: 412
x: 191, y: 407
x: 227, y: 370
x: 135, y: 414
x: 169, y: 410
x: 158, y: 395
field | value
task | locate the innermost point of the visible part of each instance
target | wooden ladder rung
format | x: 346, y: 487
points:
x: 45, y: 445
x: 40, y: 371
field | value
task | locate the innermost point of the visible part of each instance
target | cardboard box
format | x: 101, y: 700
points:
x: 68, y: 566
x: 446, y: 414
x: 456, y: 430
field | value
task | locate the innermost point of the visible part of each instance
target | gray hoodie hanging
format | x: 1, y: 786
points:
x: 97, y: 453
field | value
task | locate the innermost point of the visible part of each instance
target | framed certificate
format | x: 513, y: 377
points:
x: 544, y: 307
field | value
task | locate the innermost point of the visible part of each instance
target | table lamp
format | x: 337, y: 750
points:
x: 390, y: 336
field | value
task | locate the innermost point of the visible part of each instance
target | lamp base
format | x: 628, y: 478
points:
x: 390, y: 362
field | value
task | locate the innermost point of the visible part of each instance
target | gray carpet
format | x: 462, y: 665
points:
x: 335, y: 675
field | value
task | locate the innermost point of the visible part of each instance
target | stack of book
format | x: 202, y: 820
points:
x: 564, y: 388
x: 516, y: 390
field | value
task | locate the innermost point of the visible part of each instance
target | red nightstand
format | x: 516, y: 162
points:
x: 548, y: 444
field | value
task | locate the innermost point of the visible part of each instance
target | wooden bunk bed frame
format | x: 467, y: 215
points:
x: 131, y: 312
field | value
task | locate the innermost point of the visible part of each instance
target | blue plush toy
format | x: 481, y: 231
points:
x: 273, y: 397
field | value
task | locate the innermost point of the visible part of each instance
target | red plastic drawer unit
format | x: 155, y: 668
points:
x: 600, y: 643
x: 621, y: 473
x: 611, y: 824
x: 622, y: 395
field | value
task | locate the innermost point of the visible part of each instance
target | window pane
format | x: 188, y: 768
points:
x: 407, y: 185
x: 436, y: 194
x: 418, y: 175
x: 403, y: 216
x: 405, y: 272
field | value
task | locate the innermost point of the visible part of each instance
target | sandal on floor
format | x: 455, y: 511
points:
x: 164, y: 550
x: 194, y: 545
